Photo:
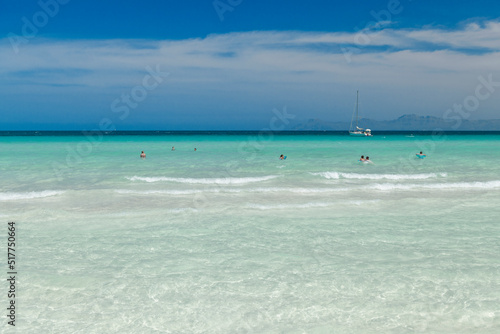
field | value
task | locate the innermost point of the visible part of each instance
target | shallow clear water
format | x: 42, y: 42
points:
x: 229, y: 239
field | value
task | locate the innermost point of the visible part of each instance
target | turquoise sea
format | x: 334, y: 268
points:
x: 230, y: 239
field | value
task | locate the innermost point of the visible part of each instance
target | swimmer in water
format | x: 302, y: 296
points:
x: 282, y: 157
x: 195, y: 149
x: 143, y: 155
x: 173, y: 148
x: 421, y: 155
x: 362, y: 158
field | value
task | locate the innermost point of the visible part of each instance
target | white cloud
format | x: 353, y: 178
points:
x: 289, y: 66
x: 474, y: 35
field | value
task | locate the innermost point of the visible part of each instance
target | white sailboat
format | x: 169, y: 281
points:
x: 357, y: 131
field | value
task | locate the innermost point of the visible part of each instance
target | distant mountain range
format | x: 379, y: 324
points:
x: 404, y: 123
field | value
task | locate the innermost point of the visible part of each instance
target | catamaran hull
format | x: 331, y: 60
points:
x: 360, y: 134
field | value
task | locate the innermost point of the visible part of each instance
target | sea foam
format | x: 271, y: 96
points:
x: 308, y: 205
x: 28, y: 195
x: 217, y: 189
x: 337, y: 175
x: 222, y: 180
x: 289, y: 206
x: 443, y: 186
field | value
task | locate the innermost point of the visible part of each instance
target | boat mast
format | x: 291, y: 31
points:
x: 357, y: 101
x: 355, y: 114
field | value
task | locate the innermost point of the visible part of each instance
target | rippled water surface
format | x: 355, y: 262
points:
x: 230, y: 239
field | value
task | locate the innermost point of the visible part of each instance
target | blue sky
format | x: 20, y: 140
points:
x: 227, y: 64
